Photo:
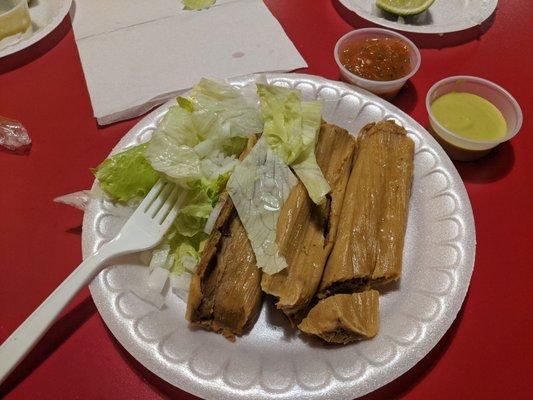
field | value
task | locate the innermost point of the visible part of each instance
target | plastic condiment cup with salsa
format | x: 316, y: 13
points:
x: 466, y: 126
x: 378, y: 60
x: 15, y: 22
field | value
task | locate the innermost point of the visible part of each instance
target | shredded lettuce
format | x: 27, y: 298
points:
x: 199, y: 139
x: 186, y: 252
x: 217, y: 165
x: 197, y: 4
x: 236, y: 109
x: 178, y: 161
x: 186, y: 238
x: 179, y: 124
x: 259, y: 187
x: 306, y: 166
x: 126, y: 175
x: 212, y: 188
x: 185, y: 258
x: 281, y: 112
x: 197, y: 203
x: 233, y: 146
x: 290, y: 128
x: 187, y: 225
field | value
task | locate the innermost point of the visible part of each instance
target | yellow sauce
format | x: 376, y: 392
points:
x: 469, y: 116
x: 13, y: 18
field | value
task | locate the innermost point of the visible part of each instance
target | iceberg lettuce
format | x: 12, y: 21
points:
x: 212, y: 188
x: 177, y: 161
x: 306, y: 166
x: 259, y: 187
x: 237, y: 108
x: 199, y: 138
x: 281, y: 113
x: 185, y: 255
x: 290, y: 128
x: 126, y: 175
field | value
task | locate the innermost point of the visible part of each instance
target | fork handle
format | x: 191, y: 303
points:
x: 35, y: 326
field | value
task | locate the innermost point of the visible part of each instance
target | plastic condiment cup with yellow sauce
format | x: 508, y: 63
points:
x: 383, y: 88
x: 477, y: 144
x: 15, y: 22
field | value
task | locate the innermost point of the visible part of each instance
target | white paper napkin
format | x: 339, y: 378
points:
x: 137, y: 54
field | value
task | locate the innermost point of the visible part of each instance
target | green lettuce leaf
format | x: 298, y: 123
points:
x: 290, y: 128
x: 188, y: 225
x: 126, y: 175
x: 199, y: 138
x: 196, y: 203
x: 281, y: 112
x: 177, y: 161
x: 197, y: 4
x: 185, y: 253
x: 306, y: 166
x: 185, y: 103
x: 179, y: 253
x: 236, y: 109
x: 186, y: 238
x: 179, y: 124
x: 212, y: 188
x: 217, y: 165
x: 233, y: 146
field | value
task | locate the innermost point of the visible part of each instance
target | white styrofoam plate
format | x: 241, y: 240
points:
x: 273, y: 360
x: 45, y: 15
x: 443, y: 16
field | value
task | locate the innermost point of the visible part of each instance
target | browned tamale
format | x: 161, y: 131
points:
x: 371, y: 232
x: 306, y: 232
x: 343, y: 318
x: 225, y: 292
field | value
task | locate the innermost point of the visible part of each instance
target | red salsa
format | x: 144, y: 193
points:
x: 379, y: 59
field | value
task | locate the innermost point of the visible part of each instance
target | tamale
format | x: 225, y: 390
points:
x: 344, y: 318
x: 306, y: 232
x: 225, y: 292
x: 398, y: 179
x: 371, y: 232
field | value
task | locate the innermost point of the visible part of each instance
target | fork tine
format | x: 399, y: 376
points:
x: 169, y: 203
x: 151, y: 196
x: 160, y: 200
x: 173, y: 212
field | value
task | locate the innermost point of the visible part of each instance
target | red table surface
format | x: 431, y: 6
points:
x: 488, y: 351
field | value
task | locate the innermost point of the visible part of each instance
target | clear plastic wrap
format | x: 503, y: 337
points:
x: 14, y: 136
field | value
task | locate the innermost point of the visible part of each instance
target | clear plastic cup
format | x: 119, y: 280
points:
x: 461, y: 148
x: 385, y: 89
x: 15, y: 22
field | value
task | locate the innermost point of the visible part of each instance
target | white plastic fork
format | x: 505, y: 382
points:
x: 143, y: 230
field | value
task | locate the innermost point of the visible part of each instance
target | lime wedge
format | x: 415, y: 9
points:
x: 404, y: 7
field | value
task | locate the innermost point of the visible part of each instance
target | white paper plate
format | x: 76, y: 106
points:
x: 273, y: 360
x: 45, y: 15
x: 443, y: 16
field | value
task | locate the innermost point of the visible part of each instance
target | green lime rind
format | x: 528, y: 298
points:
x: 404, y: 7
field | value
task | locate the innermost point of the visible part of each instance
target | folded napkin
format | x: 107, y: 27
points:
x: 137, y: 54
